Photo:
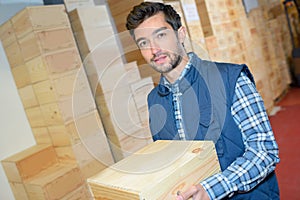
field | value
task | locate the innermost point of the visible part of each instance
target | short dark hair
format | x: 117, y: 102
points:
x: 145, y: 10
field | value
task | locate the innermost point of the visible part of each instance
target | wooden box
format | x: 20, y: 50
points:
x: 28, y: 97
x: 46, y: 41
x: 37, y: 69
x: 14, y: 54
x: 34, y: 18
x: 18, y: 190
x: 54, y: 182
x: 89, y: 17
x: 73, y: 4
x: 42, y: 135
x: 7, y: 34
x: 35, y: 117
x: 29, y: 162
x: 82, y: 192
x: 168, y: 166
x: 21, y: 76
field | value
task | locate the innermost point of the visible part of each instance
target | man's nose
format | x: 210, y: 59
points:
x: 154, y: 47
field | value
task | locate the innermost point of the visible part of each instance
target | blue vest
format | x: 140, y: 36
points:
x: 207, y: 92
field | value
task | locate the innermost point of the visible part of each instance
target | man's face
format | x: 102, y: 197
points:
x: 159, y: 44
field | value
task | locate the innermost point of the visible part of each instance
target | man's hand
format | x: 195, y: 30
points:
x: 197, y: 192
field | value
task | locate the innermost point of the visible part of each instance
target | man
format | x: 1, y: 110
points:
x: 200, y: 100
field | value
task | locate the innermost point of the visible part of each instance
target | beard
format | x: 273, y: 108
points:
x: 175, y: 59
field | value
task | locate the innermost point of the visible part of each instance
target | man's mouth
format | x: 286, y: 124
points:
x: 160, y: 59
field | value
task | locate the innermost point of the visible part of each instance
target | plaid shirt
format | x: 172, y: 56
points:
x: 176, y: 102
x: 261, y: 150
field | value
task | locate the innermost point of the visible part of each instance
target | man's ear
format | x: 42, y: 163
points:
x: 181, y: 34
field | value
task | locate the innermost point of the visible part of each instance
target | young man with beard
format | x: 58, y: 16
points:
x: 204, y: 100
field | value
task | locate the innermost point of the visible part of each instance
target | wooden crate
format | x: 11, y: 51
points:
x: 54, y: 183
x: 37, y: 70
x: 168, y: 165
x: 132, y: 72
x: 46, y: 41
x: 28, y: 163
x: 35, y: 117
x: 90, y: 158
x: 82, y: 192
x: 194, y: 27
x: 41, y: 135
x: 140, y: 91
x: 59, y: 135
x: 7, y: 34
x: 18, y: 190
x: 21, y: 76
x: 34, y: 19
x: 14, y: 54
x: 89, y: 17
x: 73, y: 4
x: 28, y: 97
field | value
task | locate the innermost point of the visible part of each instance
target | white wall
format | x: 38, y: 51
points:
x: 15, y: 131
x: 249, y: 4
x: 9, y: 8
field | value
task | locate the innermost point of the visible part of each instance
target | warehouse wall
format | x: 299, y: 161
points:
x: 15, y: 134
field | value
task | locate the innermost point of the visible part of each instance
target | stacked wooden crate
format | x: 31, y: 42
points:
x: 119, y: 91
x: 73, y: 4
x: 257, y: 62
x: 225, y: 44
x: 56, y: 96
x: 273, y: 53
x: 36, y: 173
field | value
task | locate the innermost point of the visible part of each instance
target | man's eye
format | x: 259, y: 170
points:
x: 161, y: 35
x: 142, y: 44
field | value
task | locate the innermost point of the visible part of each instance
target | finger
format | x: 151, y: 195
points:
x: 179, y: 197
x: 189, y: 193
x: 197, y: 196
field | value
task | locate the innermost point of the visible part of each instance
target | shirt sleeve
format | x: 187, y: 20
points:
x: 261, y: 149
